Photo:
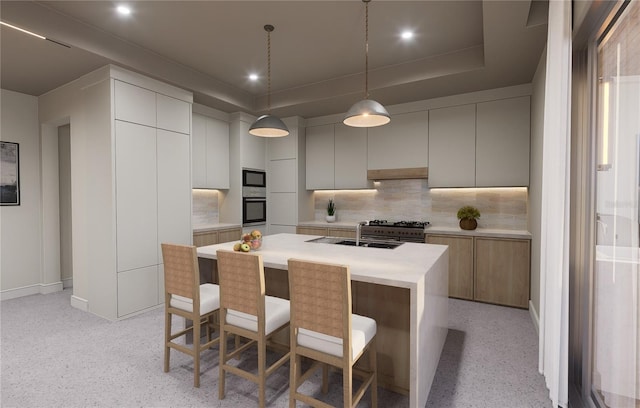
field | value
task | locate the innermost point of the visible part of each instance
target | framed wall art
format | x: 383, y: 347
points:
x: 9, y: 173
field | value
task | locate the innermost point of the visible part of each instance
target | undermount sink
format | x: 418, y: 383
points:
x: 352, y: 242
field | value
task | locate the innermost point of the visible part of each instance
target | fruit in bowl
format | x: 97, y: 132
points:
x: 248, y: 242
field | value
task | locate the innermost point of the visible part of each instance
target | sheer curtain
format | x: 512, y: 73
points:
x: 554, y: 229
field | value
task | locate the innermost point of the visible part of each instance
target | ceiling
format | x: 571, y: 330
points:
x: 317, y: 48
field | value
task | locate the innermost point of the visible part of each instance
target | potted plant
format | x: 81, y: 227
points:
x: 467, y: 216
x: 331, y: 211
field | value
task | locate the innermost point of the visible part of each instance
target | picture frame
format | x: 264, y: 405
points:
x: 9, y: 173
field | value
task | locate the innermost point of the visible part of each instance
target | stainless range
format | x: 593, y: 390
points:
x: 405, y: 231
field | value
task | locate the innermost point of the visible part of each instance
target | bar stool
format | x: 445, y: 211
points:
x: 324, y: 329
x: 184, y: 296
x: 246, y: 311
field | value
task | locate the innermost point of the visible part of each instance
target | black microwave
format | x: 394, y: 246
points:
x: 254, y: 178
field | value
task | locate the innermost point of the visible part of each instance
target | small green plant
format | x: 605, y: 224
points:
x: 468, y: 212
x: 331, y: 207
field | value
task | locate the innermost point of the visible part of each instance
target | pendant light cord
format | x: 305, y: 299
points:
x: 269, y: 69
x: 366, y: 49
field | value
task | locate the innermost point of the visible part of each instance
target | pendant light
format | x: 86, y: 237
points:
x: 268, y: 125
x: 367, y: 112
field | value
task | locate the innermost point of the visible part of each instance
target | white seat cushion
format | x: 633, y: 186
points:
x: 209, y: 299
x: 362, y: 331
x: 276, y: 313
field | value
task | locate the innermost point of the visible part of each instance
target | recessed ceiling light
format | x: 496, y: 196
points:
x: 253, y: 77
x: 407, y: 35
x: 123, y: 10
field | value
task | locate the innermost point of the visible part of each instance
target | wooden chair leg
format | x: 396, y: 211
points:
x: 167, y: 336
x: 347, y: 385
x: 293, y: 378
x: 325, y: 378
x: 196, y: 352
x: 222, y: 361
x: 374, y: 366
x: 262, y: 375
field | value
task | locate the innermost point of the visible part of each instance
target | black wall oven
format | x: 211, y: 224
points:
x: 254, y: 211
x: 254, y: 178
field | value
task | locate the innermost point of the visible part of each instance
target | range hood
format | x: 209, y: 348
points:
x: 398, y: 174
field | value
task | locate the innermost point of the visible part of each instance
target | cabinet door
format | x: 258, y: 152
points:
x: 217, y: 167
x: 452, y: 146
x: 282, y: 209
x: 403, y: 143
x: 205, y: 238
x: 199, y: 151
x: 351, y: 157
x: 136, y: 196
x: 230, y: 235
x: 173, y: 114
x: 134, y: 104
x: 137, y: 290
x: 320, y: 157
x: 502, y: 148
x: 312, y: 231
x: 174, y: 189
x: 283, y: 147
x: 341, y: 232
x: 460, y: 264
x: 282, y: 176
x: 253, y: 150
x: 502, y: 271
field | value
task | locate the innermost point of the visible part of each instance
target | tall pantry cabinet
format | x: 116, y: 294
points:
x: 139, y: 144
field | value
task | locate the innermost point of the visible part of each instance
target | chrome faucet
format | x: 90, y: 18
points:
x: 359, y: 232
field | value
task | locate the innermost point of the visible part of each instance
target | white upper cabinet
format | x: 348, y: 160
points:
x: 403, y: 143
x: 502, y: 143
x: 135, y: 104
x: 210, y: 152
x: 173, y: 114
x: 350, y: 157
x: 254, y: 149
x: 452, y: 146
x: 283, y: 147
x: 320, y: 157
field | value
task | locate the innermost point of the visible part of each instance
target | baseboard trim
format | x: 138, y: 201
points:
x: 79, y: 303
x: 46, y: 288
x: 67, y: 283
x: 37, y: 289
x: 534, y: 317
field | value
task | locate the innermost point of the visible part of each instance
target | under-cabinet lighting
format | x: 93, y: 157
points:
x: 478, y: 189
x: 23, y: 30
x: 363, y: 191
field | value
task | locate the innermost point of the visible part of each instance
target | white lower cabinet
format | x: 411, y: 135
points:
x: 137, y: 290
x: 136, y: 196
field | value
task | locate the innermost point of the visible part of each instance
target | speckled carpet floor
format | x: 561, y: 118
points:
x: 56, y: 356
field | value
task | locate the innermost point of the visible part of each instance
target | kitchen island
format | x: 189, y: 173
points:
x: 404, y: 289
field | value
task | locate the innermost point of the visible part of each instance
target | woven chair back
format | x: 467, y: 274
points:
x: 181, y: 273
x: 241, y: 281
x: 320, y: 297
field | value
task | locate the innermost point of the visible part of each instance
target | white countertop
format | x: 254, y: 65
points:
x: 214, y: 227
x: 404, y: 266
x: 479, y: 232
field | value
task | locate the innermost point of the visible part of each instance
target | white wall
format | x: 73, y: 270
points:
x: 64, y: 166
x: 535, y: 178
x: 21, y: 231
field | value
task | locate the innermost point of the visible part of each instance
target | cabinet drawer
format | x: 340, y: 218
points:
x: 341, y: 232
x: 312, y: 231
x: 205, y: 238
x: 229, y: 235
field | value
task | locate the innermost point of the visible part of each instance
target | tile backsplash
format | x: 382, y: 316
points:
x: 205, y: 207
x: 395, y: 200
